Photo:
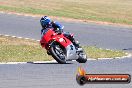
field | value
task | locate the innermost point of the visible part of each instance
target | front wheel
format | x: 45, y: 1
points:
x: 58, y: 53
x: 82, y: 57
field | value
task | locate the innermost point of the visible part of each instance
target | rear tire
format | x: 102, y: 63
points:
x: 60, y: 58
x: 82, y: 57
x: 81, y: 60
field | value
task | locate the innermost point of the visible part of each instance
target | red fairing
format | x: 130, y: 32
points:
x: 51, y: 35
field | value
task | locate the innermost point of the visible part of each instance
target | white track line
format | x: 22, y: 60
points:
x: 13, y: 63
x: 19, y: 37
x: 34, y: 62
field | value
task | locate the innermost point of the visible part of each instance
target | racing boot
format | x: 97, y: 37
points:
x: 77, y: 45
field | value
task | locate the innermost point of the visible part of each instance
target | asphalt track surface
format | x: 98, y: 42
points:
x: 53, y: 75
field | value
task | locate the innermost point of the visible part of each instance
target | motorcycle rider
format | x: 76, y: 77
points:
x: 46, y: 24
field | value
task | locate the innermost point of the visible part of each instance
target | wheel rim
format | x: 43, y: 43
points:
x: 83, y: 55
x: 60, y: 53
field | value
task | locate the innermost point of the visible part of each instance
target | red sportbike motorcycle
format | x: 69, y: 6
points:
x: 61, y: 48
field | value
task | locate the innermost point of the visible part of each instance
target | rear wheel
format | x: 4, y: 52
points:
x: 58, y: 53
x: 82, y: 57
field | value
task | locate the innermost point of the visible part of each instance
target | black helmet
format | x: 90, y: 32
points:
x: 45, y: 21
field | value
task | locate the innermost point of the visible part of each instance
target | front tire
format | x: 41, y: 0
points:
x: 58, y: 54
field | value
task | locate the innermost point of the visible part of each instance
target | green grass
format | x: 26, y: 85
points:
x: 115, y: 11
x: 21, y: 50
x: 21, y: 53
x: 94, y: 52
